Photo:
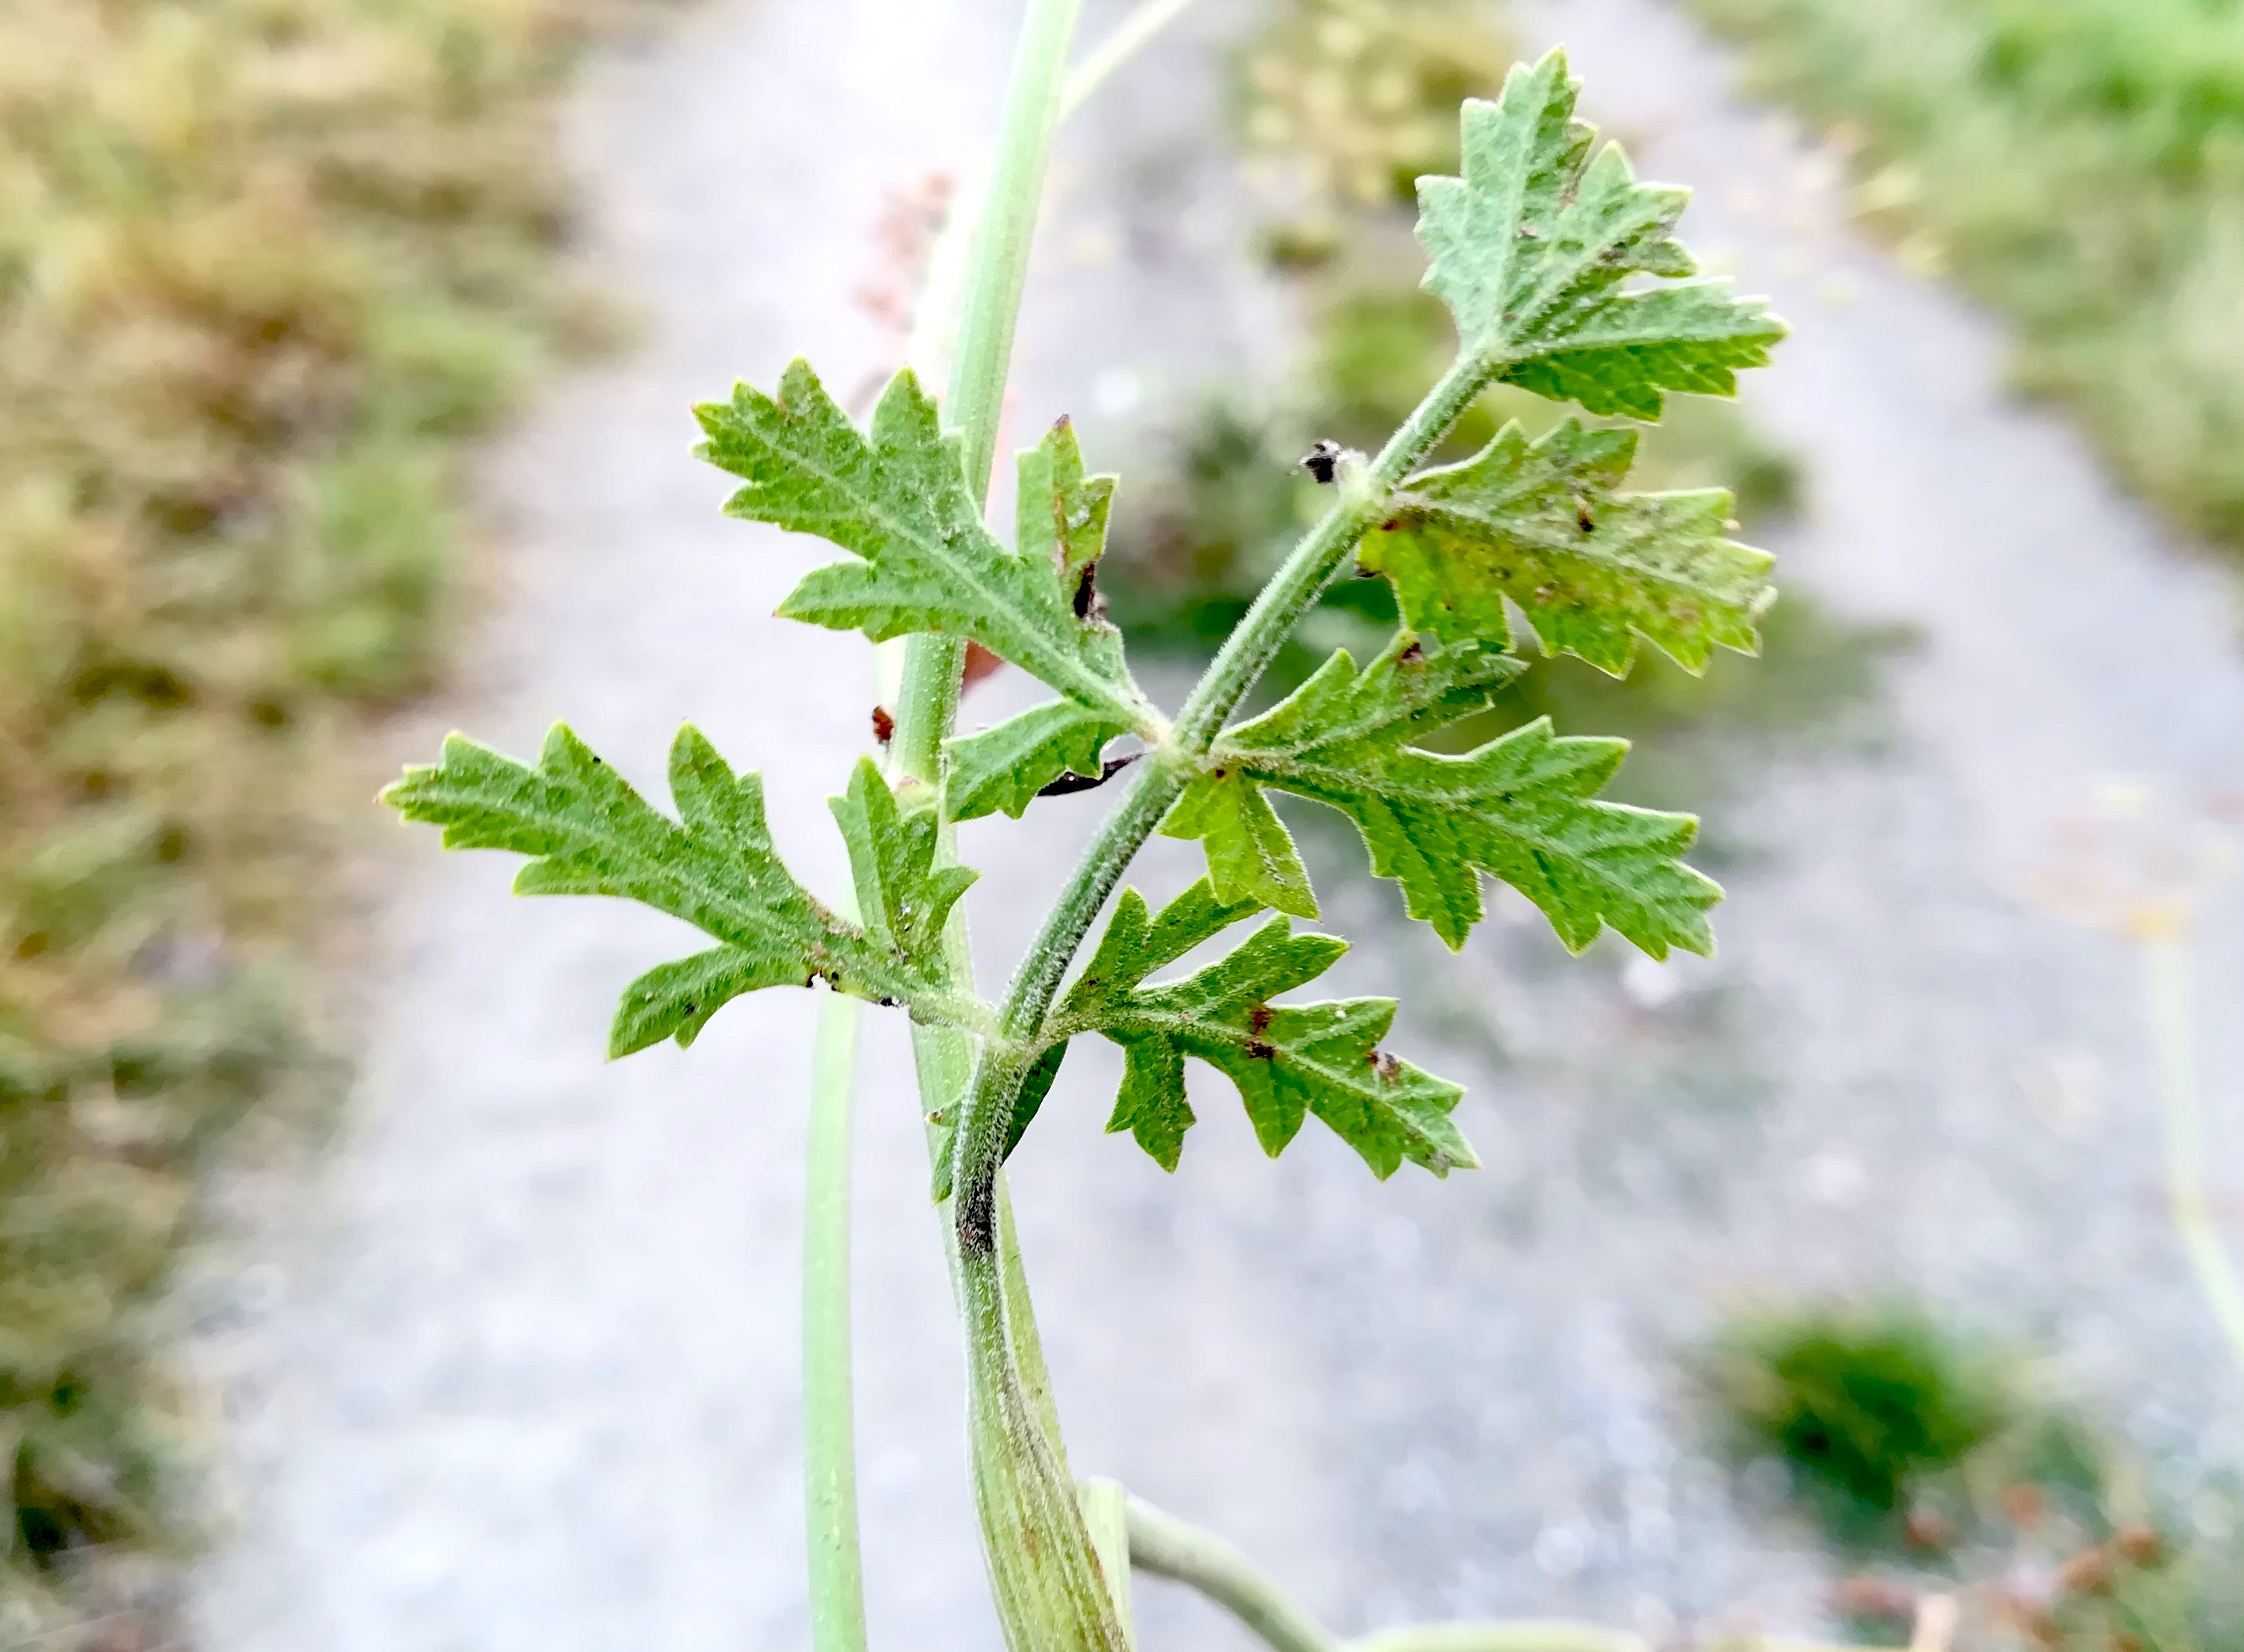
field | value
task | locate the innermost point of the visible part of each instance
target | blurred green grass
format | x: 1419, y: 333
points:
x: 264, y: 265
x: 2079, y: 165
x: 1933, y: 1462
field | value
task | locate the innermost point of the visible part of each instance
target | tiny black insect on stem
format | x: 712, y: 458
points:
x: 1322, y: 460
x: 884, y: 726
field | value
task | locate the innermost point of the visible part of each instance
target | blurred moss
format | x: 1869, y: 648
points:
x: 2079, y: 165
x: 1865, y: 1406
x: 264, y: 264
x: 1932, y: 1464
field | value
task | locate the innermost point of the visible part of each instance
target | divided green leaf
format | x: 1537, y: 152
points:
x: 1060, y: 514
x: 1544, y: 523
x: 588, y: 832
x: 1004, y: 767
x: 903, y: 896
x: 1250, y: 854
x: 1523, y: 807
x: 1288, y: 1061
x: 1536, y: 247
x: 897, y: 498
x: 1060, y: 518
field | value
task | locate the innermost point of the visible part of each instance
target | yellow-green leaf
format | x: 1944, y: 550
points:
x: 1544, y: 526
x: 1542, y: 251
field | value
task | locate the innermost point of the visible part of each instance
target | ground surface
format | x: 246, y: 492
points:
x: 526, y: 1379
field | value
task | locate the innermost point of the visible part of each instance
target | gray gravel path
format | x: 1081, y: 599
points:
x: 523, y: 1377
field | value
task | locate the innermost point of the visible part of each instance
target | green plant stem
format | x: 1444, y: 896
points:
x: 1129, y: 36
x: 1166, y: 1547
x: 829, y: 1465
x: 1045, y: 1575
x: 1367, y: 492
x: 1365, y: 495
x: 1527, y: 1635
x: 1106, y: 1512
x: 2167, y: 979
x: 1007, y: 229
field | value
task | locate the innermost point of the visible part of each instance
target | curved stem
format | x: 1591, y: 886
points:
x: 1167, y: 1546
x: 1045, y: 1575
x: 830, y: 1460
x: 2167, y: 976
x: 1526, y: 1634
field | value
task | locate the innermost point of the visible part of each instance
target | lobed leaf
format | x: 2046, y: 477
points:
x: 1536, y: 248
x: 904, y: 895
x: 1005, y: 768
x: 588, y: 832
x: 1522, y: 808
x: 1288, y: 1061
x: 1060, y: 514
x: 896, y: 497
x: 1543, y: 524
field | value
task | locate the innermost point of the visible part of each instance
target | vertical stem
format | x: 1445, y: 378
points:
x: 1044, y: 1575
x: 976, y: 404
x: 1105, y: 1510
x: 2167, y: 976
x: 829, y: 1459
x: 1002, y: 239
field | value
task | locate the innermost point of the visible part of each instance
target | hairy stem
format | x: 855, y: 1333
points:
x: 2167, y: 976
x: 829, y: 1461
x: 1045, y: 1575
x: 1367, y: 493
x: 1106, y: 1512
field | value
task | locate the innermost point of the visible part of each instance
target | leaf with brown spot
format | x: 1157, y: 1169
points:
x: 1287, y: 1059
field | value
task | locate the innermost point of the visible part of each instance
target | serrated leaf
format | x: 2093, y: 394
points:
x: 1534, y: 250
x: 1250, y: 854
x: 588, y: 832
x: 677, y: 998
x: 897, y: 498
x: 1544, y: 524
x: 1059, y: 512
x: 903, y: 896
x: 1288, y: 1061
x: 1522, y: 808
x: 1005, y: 768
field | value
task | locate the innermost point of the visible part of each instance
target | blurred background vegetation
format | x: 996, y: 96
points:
x: 1931, y: 1465
x: 2079, y: 165
x: 263, y: 265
